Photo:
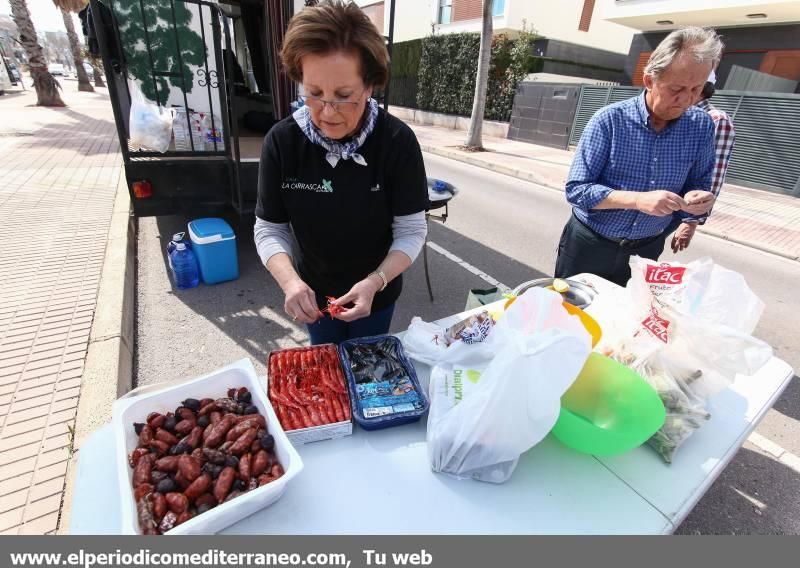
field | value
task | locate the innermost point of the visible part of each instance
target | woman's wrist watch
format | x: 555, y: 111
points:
x: 380, y: 274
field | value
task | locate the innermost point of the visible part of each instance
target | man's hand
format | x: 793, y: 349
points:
x: 699, y: 202
x: 683, y: 236
x: 659, y: 202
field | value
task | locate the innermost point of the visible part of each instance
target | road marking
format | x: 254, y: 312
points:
x: 756, y: 503
x: 464, y: 264
x: 780, y: 454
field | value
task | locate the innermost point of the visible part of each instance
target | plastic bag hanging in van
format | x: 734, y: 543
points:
x: 150, y: 126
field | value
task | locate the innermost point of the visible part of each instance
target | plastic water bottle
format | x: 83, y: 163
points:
x: 184, y: 267
x: 178, y: 238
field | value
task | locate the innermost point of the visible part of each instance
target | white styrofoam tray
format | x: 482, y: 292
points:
x: 136, y: 405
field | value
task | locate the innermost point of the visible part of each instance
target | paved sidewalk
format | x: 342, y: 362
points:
x: 59, y: 170
x: 760, y: 219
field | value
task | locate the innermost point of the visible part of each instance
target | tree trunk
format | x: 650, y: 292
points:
x: 475, y: 132
x: 44, y: 83
x: 98, y: 73
x: 75, y: 47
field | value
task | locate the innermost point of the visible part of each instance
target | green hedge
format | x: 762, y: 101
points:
x: 448, y: 65
x: 405, y: 58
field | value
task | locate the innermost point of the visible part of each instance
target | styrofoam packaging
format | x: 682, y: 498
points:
x: 166, y: 397
x: 320, y: 433
x: 316, y: 433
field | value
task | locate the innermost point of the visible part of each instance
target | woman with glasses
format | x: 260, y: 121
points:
x: 342, y: 177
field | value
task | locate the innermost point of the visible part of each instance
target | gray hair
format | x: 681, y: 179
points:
x: 704, y: 45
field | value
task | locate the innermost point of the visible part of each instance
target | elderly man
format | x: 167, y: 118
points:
x: 642, y: 162
x: 724, y: 137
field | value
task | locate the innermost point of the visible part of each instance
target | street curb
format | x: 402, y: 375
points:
x: 531, y: 177
x: 108, y: 367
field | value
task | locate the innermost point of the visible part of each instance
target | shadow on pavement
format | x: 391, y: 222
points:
x: 789, y: 402
x: 250, y: 310
x: 750, y: 497
x: 11, y: 94
x: 82, y: 125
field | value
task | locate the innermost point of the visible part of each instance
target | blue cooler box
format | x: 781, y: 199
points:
x: 214, y: 245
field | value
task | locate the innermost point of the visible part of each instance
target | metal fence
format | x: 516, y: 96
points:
x: 403, y: 91
x: 767, y: 150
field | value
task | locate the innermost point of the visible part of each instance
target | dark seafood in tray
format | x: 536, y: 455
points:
x: 205, y: 453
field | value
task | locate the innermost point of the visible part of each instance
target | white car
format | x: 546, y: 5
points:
x: 56, y: 69
x: 89, y: 70
x: 5, y: 80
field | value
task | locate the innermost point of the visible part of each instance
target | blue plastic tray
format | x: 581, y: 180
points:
x: 395, y: 419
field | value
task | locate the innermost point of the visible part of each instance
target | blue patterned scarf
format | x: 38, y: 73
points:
x: 337, y: 150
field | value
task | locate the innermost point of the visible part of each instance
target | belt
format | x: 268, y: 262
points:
x: 623, y: 242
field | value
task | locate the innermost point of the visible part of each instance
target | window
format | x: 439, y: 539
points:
x: 586, y: 15
x: 499, y: 8
x: 445, y: 11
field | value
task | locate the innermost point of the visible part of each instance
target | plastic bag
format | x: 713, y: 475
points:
x: 150, y: 125
x: 701, y: 317
x: 686, y: 328
x: 424, y: 341
x: 685, y: 410
x: 427, y: 342
x: 494, y: 400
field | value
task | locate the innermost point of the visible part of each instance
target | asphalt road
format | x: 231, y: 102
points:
x: 508, y: 229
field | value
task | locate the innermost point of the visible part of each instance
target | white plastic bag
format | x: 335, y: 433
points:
x: 494, y: 400
x: 686, y: 328
x: 424, y: 341
x: 150, y: 125
x: 701, y: 317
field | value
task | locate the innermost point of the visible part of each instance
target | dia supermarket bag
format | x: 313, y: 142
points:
x: 494, y: 400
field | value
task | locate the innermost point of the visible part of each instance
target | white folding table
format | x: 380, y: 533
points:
x: 380, y: 482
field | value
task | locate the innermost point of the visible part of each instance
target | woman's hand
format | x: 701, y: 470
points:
x: 300, y: 303
x: 361, y: 296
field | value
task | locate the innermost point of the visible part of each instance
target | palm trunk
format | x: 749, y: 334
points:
x: 98, y: 73
x: 75, y: 47
x: 475, y: 132
x: 44, y: 83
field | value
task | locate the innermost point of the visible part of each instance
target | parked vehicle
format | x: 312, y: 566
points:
x: 5, y: 80
x: 13, y: 71
x: 56, y: 69
x: 219, y: 119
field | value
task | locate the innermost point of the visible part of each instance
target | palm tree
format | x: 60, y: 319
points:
x: 67, y: 7
x: 474, y: 134
x: 44, y: 83
x: 96, y: 70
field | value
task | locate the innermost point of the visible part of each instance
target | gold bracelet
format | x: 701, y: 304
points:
x: 380, y: 274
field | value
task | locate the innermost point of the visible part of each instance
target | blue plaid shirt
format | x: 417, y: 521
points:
x: 619, y: 150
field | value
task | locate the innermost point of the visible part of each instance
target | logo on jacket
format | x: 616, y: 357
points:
x: 296, y: 185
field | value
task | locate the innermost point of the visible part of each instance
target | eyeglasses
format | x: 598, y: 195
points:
x: 336, y: 106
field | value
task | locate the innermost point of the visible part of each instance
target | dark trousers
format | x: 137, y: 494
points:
x: 327, y: 330
x: 583, y: 250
